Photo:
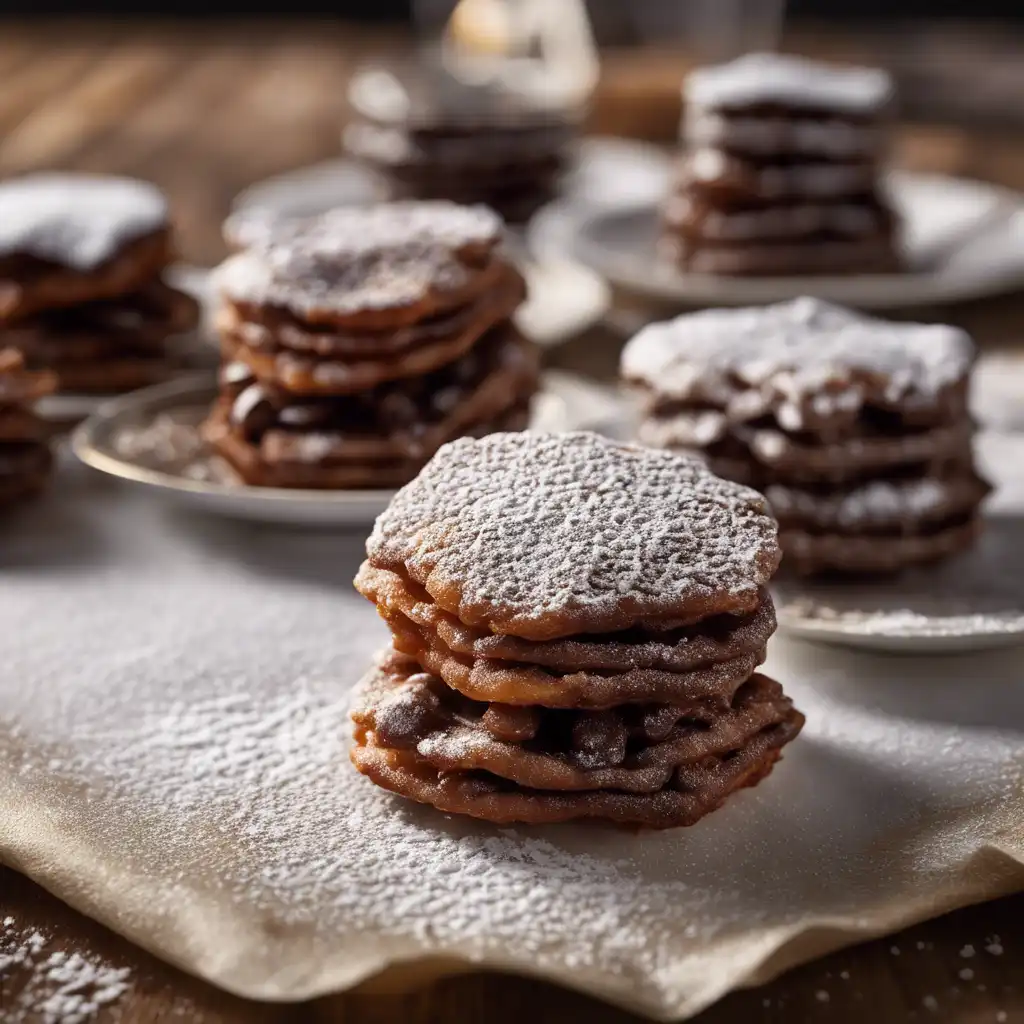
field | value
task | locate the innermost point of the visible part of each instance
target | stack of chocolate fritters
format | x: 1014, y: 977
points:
x: 25, y: 458
x: 576, y: 628
x: 81, y: 287
x: 431, y: 136
x: 856, y: 429
x: 358, y: 342
x: 781, y: 170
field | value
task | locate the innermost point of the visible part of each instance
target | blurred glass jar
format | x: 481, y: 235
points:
x: 541, y: 49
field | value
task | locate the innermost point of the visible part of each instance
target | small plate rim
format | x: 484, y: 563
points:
x: 88, y: 443
x: 87, y: 451
x: 797, y: 627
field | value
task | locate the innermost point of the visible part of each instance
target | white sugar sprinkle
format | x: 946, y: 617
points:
x: 794, y: 350
x: 356, y: 258
x: 822, y: 996
x: 930, y: 1003
x: 536, y: 524
x: 77, y: 220
x: 966, y: 974
x: 61, y: 988
x: 207, y: 747
x: 791, y: 80
x: 967, y: 952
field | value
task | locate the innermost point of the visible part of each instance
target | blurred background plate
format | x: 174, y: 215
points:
x: 150, y: 438
x: 970, y: 603
x: 962, y: 240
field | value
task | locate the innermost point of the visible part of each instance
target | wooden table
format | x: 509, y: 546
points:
x: 205, y: 114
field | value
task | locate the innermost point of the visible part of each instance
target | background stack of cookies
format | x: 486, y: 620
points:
x: 856, y: 429
x: 576, y: 628
x: 358, y: 342
x: 81, y: 285
x: 781, y: 172
x: 437, y: 138
x: 25, y: 459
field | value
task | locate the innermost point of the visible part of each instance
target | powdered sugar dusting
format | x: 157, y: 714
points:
x: 77, y: 220
x: 789, y: 79
x: 805, y: 347
x: 61, y: 988
x: 538, y: 524
x: 357, y: 258
x: 199, y: 760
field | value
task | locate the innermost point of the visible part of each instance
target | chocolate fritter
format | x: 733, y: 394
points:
x: 568, y: 750
x: 858, y: 430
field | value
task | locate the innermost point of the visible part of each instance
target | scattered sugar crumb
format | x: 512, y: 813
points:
x: 766, y: 1003
x: 920, y: 945
x: 982, y: 988
x: 967, y: 952
x: 822, y: 996
x: 967, y: 974
x: 895, y: 950
x: 61, y: 988
x: 930, y: 1003
x: 845, y: 975
x: 1000, y: 1016
x: 995, y: 947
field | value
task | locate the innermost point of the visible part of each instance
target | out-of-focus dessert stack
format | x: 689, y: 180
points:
x: 25, y: 457
x: 781, y: 170
x: 358, y: 342
x: 433, y: 137
x: 82, y: 293
x: 857, y: 430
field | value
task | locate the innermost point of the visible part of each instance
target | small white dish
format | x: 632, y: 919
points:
x: 962, y: 240
x: 972, y: 602
x: 875, y: 621
x: 149, y: 437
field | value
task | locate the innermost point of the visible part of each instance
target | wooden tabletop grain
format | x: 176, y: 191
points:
x: 203, y: 113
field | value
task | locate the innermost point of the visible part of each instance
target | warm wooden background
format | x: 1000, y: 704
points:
x: 204, y: 113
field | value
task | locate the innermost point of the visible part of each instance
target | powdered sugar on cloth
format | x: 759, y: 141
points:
x: 173, y: 762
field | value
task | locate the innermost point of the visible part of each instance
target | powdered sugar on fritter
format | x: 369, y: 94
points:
x: 76, y: 220
x: 805, y: 361
x: 799, y: 348
x: 789, y: 80
x: 359, y: 258
x: 532, y: 525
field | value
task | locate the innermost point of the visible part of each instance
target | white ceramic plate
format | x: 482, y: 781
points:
x: 970, y: 603
x: 565, y: 298
x: 962, y: 240
x: 149, y: 437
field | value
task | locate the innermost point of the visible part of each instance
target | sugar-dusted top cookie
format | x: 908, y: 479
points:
x: 788, y: 80
x: 799, y: 357
x: 76, y: 220
x: 548, y: 535
x: 355, y: 259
